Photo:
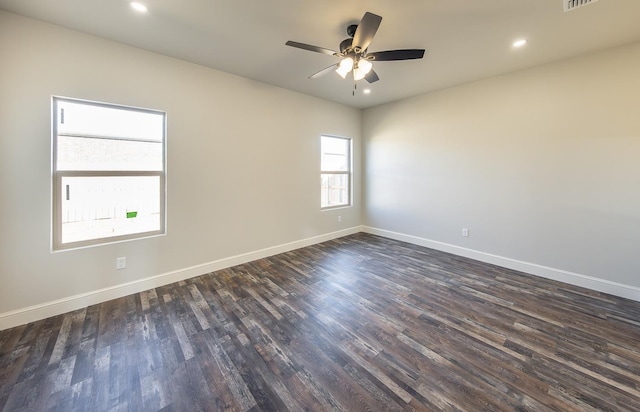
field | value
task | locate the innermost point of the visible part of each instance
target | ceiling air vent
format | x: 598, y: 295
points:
x: 570, y: 5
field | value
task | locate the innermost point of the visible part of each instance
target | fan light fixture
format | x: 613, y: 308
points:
x: 345, y: 67
x: 362, y: 68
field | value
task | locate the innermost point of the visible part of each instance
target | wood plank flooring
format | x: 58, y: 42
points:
x: 358, y: 323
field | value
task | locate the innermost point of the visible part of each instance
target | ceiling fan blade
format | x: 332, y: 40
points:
x: 372, y: 76
x: 311, y: 48
x: 324, y: 71
x: 390, y: 55
x: 366, y: 30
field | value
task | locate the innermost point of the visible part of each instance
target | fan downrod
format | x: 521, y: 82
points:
x: 351, y: 30
x: 345, y: 45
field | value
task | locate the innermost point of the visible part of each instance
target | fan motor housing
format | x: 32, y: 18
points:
x: 345, y: 45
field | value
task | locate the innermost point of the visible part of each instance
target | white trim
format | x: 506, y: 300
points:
x: 576, y: 279
x: 71, y: 303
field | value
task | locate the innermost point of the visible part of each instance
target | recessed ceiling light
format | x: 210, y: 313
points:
x: 139, y: 7
x: 366, y: 91
x: 519, y: 43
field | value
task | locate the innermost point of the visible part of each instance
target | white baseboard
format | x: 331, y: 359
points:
x: 71, y: 303
x: 576, y: 279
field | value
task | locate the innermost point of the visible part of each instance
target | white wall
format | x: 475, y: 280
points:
x: 243, y: 165
x: 542, y: 166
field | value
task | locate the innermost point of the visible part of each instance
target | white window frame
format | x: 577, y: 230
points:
x: 58, y: 175
x: 348, y: 173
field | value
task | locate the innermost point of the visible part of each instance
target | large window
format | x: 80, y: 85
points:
x: 335, y: 174
x: 108, y: 173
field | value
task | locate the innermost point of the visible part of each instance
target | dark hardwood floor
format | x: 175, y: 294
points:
x: 358, y: 323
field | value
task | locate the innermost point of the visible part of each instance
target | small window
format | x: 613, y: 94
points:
x: 108, y: 173
x: 335, y: 174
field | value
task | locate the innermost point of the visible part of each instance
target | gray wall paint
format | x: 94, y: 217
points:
x: 243, y: 161
x: 542, y: 165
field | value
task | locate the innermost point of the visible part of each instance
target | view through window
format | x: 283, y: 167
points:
x: 335, y: 172
x: 108, y: 172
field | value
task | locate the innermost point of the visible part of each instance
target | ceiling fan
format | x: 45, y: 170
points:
x: 354, y: 55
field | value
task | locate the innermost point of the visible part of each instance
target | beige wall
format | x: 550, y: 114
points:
x: 243, y: 161
x: 542, y: 166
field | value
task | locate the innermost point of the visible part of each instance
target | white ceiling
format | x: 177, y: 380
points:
x: 465, y: 40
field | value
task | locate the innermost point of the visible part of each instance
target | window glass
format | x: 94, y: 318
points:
x: 81, y: 153
x: 335, y: 189
x: 88, y: 119
x: 98, y: 207
x: 335, y: 154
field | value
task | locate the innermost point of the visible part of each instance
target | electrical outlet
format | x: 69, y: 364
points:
x: 465, y: 232
x: 339, y: 219
x: 121, y: 263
